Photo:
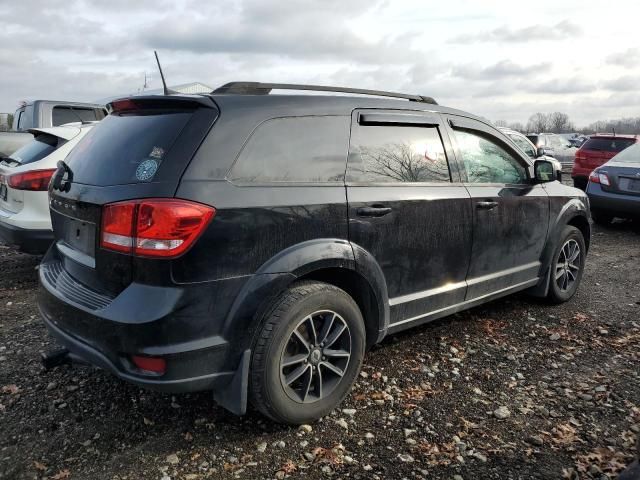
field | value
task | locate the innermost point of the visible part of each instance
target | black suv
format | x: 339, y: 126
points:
x: 256, y: 245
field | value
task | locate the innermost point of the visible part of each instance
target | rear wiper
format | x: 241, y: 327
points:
x: 62, y: 178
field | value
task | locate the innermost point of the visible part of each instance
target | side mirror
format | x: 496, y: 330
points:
x: 544, y: 171
x: 540, y: 151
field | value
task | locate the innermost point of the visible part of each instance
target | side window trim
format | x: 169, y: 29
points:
x: 364, y: 117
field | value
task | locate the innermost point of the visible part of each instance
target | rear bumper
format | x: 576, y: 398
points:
x: 613, y: 203
x: 27, y: 240
x: 168, y: 322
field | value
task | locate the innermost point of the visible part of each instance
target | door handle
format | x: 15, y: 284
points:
x: 488, y: 205
x: 373, y: 211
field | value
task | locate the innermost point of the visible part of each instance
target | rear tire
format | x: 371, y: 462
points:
x: 300, y: 370
x: 567, y: 266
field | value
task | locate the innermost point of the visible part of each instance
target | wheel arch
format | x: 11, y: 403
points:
x: 333, y: 261
x: 573, y: 213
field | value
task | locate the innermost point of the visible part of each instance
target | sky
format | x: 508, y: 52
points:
x: 502, y: 60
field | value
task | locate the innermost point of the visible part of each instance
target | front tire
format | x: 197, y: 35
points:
x: 567, y: 265
x: 308, y: 353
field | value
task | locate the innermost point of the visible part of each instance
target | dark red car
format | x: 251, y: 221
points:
x: 595, y: 152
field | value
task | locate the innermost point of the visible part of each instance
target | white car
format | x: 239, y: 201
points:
x: 24, y: 181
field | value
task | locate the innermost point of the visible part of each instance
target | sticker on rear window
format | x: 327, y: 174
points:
x: 157, y: 152
x: 146, y: 169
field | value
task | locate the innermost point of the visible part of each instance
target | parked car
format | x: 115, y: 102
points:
x: 595, y: 152
x: 554, y: 146
x: 24, y: 178
x: 614, y: 188
x: 529, y: 149
x: 45, y: 114
x: 256, y: 245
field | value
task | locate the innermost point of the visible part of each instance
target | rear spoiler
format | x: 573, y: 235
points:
x: 159, y: 102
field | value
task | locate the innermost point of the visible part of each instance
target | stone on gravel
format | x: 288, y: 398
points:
x: 535, y: 440
x: 342, y: 423
x: 501, y: 413
x: 262, y: 447
x: 173, y: 459
x: 480, y: 457
x: 305, y: 428
x: 554, y: 337
x: 405, y: 457
x: 350, y: 412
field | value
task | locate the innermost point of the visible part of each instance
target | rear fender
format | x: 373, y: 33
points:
x: 568, y: 213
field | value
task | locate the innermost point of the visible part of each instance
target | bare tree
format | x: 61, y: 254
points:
x: 559, y: 123
x: 538, y: 122
x: 623, y: 125
x: 399, y: 162
x: 501, y: 123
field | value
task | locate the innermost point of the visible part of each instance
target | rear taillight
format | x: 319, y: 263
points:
x: 598, y: 177
x: 34, y: 180
x: 153, y: 227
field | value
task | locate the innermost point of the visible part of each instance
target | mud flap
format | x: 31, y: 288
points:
x: 233, y: 397
x: 542, y: 288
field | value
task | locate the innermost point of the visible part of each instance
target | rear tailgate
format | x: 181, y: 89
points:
x: 139, y: 151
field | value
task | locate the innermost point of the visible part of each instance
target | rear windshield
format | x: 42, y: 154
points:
x: 37, y: 149
x: 126, y: 148
x: 608, y: 144
x: 629, y: 155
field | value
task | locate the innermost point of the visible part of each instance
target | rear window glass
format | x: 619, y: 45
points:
x: 126, y: 148
x: 62, y: 115
x: 295, y: 149
x: 37, y: 149
x: 608, y: 144
x: 628, y: 155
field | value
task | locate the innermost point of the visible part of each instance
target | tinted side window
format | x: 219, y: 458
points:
x: 486, y: 161
x: 397, y: 154
x: 295, y: 149
x: 37, y: 149
x: 524, y: 145
x: 62, y: 115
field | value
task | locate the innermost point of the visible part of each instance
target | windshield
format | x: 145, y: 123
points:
x: 628, y: 155
x: 37, y: 149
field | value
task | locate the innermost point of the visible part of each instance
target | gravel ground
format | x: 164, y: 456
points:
x: 512, y: 389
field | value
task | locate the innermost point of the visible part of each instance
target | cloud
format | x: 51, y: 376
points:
x: 626, y: 58
x: 562, y: 86
x: 539, y: 32
x: 623, y: 84
x: 501, y: 69
x: 296, y: 30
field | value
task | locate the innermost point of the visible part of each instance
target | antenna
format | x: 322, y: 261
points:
x: 164, y: 84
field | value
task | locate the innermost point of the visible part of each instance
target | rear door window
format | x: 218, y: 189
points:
x: 293, y: 150
x: 40, y: 147
x: 608, y: 144
x: 399, y: 154
x: 127, y: 148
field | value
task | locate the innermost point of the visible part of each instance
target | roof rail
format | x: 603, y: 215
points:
x: 257, y: 88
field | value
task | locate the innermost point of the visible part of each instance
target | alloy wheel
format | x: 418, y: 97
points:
x: 315, y: 357
x: 568, y: 265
